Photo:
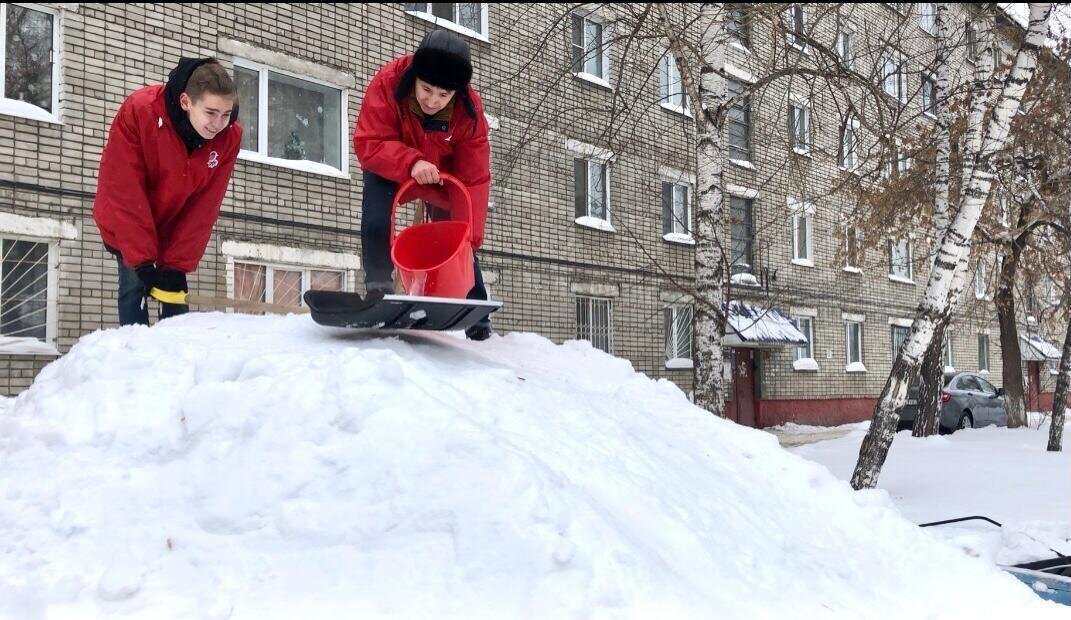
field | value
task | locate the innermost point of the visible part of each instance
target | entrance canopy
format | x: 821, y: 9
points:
x: 756, y: 327
x: 1037, y: 349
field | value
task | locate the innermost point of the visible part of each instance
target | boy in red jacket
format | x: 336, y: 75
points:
x: 420, y: 116
x: 163, y: 174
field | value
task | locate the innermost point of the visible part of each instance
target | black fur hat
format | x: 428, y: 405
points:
x: 443, y: 60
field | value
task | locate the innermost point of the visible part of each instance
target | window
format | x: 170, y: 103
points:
x: 983, y: 352
x: 590, y: 53
x: 848, y: 144
x: 799, y: 121
x: 283, y: 285
x: 738, y: 120
x: 291, y: 121
x: 852, y: 254
x: 928, y: 17
x: 29, y: 46
x: 929, y: 96
x: 845, y: 45
x: 968, y: 383
x: 678, y: 320
x: 676, y: 209
x: 738, y: 24
x: 590, y: 181
x: 802, y: 232
x: 670, y: 86
x: 593, y: 322
x: 903, y: 160
x: 892, y: 77
x: 900, y: 260
x: 806, y: 326
x: 986, y: 387
x: 972, y: 42
x: 899, y: 337
x: 946, y: 353
x: 24, y: 280
x: 742, y: 233
x: 795, y: 21
x: 980, y: 281
x: 468, y: 18
x: 853, y: 342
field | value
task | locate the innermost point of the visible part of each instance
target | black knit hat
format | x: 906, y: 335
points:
x: 443, y: 60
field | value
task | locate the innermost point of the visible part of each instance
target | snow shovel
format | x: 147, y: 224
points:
x: 435, y: 264
x: 181, y: 298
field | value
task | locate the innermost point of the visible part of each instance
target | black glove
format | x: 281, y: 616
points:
x: 147, y: 274
x: 171, y: 280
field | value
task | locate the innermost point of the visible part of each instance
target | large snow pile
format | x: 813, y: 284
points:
x: 221, y: 466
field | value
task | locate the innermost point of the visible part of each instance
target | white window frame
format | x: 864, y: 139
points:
x: 856, y: 365
x: 678, y: 179
x: 453, y: 25
x: 676, y: 362
x: 846, y: 53
x: 948, y: 353
x: 928, y: 21
x: 801, y: 362
x: 793, y: 105
x: 896, y: 59
x: 591, y: 300
x: 983, y: 338
x: 980, y: 281
x: 895, y: 326
x: 290, y: 259
x: 22, y: 109
x: 582, y: 74
x: 930, y: 79
x: 261, y: 154
x: 591, y: 153
x: 670, y: 69
x: 802, y: 215
x: 790, y: 30
x: 851, y: 126
x: 893, y: 276
x: 51, y: 232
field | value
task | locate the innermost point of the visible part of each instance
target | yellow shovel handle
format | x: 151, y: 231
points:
x: 169, y: 297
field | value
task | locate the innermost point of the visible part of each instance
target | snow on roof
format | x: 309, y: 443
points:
x: 757, y: 325
x: 241, y: 467
x: 1039, y: 348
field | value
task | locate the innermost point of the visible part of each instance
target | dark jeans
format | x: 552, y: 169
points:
x: 133, y: 303
x: 375, y: 237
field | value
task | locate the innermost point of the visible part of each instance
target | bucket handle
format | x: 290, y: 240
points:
x: 445, y: 177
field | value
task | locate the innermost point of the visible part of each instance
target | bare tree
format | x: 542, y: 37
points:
x: 943, y: 285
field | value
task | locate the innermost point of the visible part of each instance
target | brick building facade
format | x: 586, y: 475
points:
x: 570, y: 255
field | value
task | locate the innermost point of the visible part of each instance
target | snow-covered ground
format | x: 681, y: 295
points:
x: 1000, y: 473
x: 220, y: 466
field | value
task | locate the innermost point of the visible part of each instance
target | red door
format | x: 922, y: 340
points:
x: 741, y: 405
x: 1033, y: 388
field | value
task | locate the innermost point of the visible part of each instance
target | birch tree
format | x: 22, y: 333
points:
x: 943, y: 286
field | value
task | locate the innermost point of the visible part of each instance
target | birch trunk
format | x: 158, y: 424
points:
x: 951, y: 258
x: 1059, y: 399
x: 708, y: 97
x: 1010, y: 351
x: 927, y: 420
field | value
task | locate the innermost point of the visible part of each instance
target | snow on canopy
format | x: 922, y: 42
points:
x: 224, y: 466
x: 761, y: 326
x: 1038, y: 348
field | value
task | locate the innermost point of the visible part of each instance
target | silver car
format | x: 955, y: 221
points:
x: 968, y: 400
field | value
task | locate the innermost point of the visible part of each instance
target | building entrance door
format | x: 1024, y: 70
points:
x: 741, y: 404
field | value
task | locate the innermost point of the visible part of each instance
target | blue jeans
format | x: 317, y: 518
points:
x: 376, y: 198
x: 133, y: 302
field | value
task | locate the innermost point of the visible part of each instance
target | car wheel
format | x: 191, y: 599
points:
x: 965, y: 421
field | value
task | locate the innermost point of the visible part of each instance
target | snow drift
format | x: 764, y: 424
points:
x: 226, y: 466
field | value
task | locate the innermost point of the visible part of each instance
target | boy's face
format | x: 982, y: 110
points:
x: 431, y: 98
x: 209, y: 115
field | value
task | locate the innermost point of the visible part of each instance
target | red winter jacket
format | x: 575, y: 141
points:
x: 155, y: 202
x: 390, y: 138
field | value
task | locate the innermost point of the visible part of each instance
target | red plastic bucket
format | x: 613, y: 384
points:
x: 434, y: 259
